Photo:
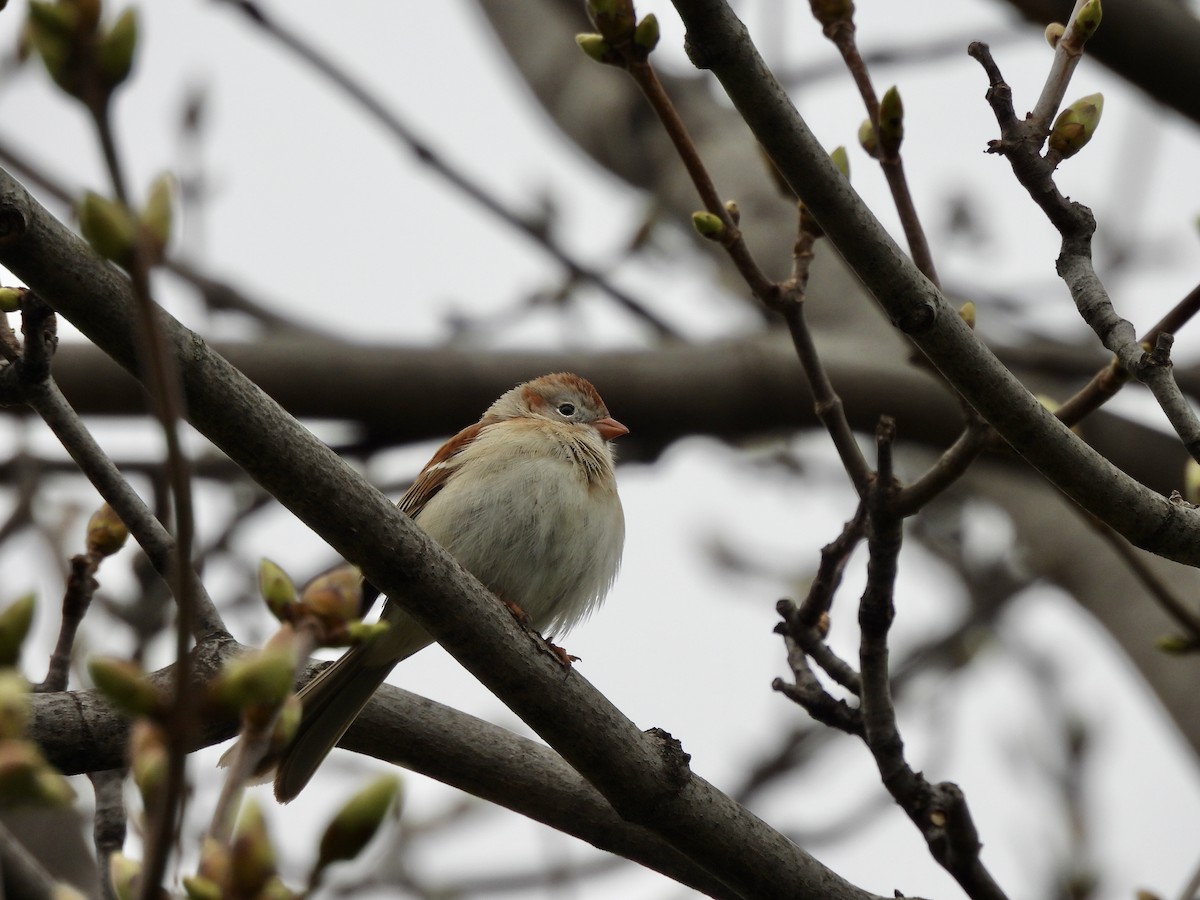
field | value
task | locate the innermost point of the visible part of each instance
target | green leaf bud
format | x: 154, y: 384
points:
x: 14, y: 704
x: 106, y: 533
x: 157, y: 214
x: 891, y: 121
x: 261, y: 677
x: 114, y: 55
x: 252, y: 857
x: 357, y: 822
x: 614, y: 19
x: 1191, y: 482
x: 596, y: 47
x: 708, y: 225
x: 26, y: 779
x: 125, y: 875
x: 124, y: 684
x: 839, y: 158
x: 11, y: 297
x: 148, y: 759
x: 1176, y: 644
x: 14, y: 626
x: 277, y: 589
x: 1088, y: 20
x: 1075, y: 125
x: 867, y: 139
x: 108, y: 227
x: 647, y: 33
x: 1054, y: 32
x: 197, y: 887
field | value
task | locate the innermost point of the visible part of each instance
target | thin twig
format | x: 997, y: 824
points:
x: 109, y: 828
x: 48, y: 402
x: 1108, y: 381
x: 842, y: 34
x: 951, y: 465
x: 938, y: 810
x: 1067, y: 54
x: 1018, y: 143
x: 1187, y: 618
x: 643, y: 74
x: 786, y: 298
x: 166, y: 394
x: 81, y: 586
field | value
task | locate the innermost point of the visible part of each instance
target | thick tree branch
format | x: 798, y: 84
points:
x: 643, y: 775
x: 718, y: 40
x: 79, y: 731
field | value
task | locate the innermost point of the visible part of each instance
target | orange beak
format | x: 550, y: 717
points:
x: 609, y: 428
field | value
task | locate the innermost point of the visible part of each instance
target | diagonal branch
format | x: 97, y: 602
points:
x: 718, y: 40
x: 643, y: 775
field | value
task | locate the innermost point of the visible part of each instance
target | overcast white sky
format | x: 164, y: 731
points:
x: 316, y: 210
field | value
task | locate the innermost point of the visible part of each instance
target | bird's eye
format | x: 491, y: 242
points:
x: 566, y: 410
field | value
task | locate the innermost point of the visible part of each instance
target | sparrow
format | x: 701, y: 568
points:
x: 526, y: 500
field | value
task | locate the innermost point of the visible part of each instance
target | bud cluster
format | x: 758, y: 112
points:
x: 26, y: 777
x: 85, y: 58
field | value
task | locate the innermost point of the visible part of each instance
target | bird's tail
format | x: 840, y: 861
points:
x: 332, y: 701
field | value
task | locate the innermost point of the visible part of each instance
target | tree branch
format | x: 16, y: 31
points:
x: 718, y: 40
x: 643, y: 775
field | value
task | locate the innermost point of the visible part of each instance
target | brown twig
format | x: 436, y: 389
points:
x: 787, y: 298
x: 1187, y: 618
x: 938, y: 810
x: 951, y: 465
x: 842, y: 33
x: 643, y: 74
x: 166, y: 393
x: 109, y: 828
x: 81, y: 586
x: 42, y: 395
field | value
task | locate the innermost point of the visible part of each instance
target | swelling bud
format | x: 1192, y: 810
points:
x: 108, y: 227
x: 114, y: 55
x: 157, y: 213
x: 1088, y: 20
x: 252, y: 858
x: 891, y: 122
x: 614, y: 19
x: 646, y: 35
x: 708, y: 225
x: 832, y: 12
x: 1075, y: 125
x: 357, y: 822
x: 868, y: 139
x: 14, y: 705
x: 277, y: 589
x: 262, y: 677
x: 106, y: 533
x: 839, y: 158
x: 597, y: 48
x: 10, y: 299
x: 334, y: 597
x: 14, y: 625
x: 124, y: 685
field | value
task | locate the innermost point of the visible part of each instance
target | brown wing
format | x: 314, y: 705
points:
x: 440, y: 467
